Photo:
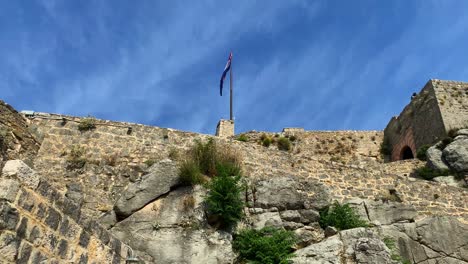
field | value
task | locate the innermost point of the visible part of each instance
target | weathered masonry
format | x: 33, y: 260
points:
x: 440, y: 107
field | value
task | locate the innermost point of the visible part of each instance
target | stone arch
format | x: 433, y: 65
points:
x: 405, y: 144
x: 406, y: 153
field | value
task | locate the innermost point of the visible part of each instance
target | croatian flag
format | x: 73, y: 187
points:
x: 226, y: 69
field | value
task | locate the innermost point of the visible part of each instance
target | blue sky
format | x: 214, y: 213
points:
x: 321, y: 65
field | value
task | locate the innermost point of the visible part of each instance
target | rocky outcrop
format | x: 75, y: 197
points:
x: 456, y: 155
x: 290, y: 193
x: 432, y: 240
x: 162, y: 177
x: 173, y: 229
x: 16, y: 140
x: 435, y: 159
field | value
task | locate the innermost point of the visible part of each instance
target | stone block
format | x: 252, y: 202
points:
x: 83, y: 259
x: 9, y: 189
x: 24, y: 253
x: 9, y: 245
x: 53, y: 218
x: 38, y: 257
x: 62, y: 248
x: 41, y: 210
x: 290, y: 215
x: 68, y: 207
x: 19, y: 169
x: 35, y: 235
x: 84, y: 239
x: 46, y: 190
x: 9, y: 216
x: 50, y: 241
x: 22, y: 229
x: 25, y: 200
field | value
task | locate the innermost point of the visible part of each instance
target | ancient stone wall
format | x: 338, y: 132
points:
x: 452, y: 99
x: 420, y: 119
x: 37, y: 223
x: 431, y: 114
x: 348, y: 162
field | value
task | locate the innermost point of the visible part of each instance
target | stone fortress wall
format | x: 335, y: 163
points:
x: 440, y: 107
x: 39, y: 224
x: 347, y: 161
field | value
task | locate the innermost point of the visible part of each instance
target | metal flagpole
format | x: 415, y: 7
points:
x: 230, y: 86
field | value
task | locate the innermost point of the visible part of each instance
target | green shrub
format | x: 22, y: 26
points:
x: 266, y: 246
x: 76, y: 159
x: 87, y: 123
x: 190, y: 174
x: 284, y: 144
x: 444, y: 142
x: 266, y: 142
x: 421, y: 153
x: 224, y: 199
x: 242, y: 138
x: 149, y: 162
x: 3, y: 136
x: 292, y: 138
x: 340, y: 216
x: 385, y: 148
x: 429, y: 173
x: 394, y: 254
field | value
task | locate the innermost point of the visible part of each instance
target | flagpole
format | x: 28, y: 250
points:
x: 230, y: 86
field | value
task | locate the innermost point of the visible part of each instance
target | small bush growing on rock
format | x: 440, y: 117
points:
x: 444, y: 143
x: 292, y: 138
x: 3, y: 136
x: 394, y: 254
x: 385, y: 148
x: 190, y: 174
x: 266, y: 246
x: 189, y: 202
x: 341, y: 216
x: 266, y: 141
x: 150, y: 162
x: 76, y: 159
x: 242, y: 138
x: 284, y: 144
x: 224, y: 200
x: 173, y: 154
x: 429, y: 173
x: 87, y: 123
x: 421, y: 153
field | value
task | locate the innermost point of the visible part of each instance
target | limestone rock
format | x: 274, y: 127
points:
x: 326, y: 252
x: 309, y: 234
x: 309, y: 216
x: 19, y: 169
x: 456, y: 155
x: 159, y: 181
x: 434, y: 158
x: 289, y: 193
x: 450, y: 181
x: 390, y: 212
x: 330, y: 231
x: 290, y: 215
x: 462, y: 132
x: 267, y: 219
x: 371, y: 250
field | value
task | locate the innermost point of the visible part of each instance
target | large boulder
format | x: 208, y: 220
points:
x: 431, y: 240
x: 162, y: 177
x: 434, y: 158
x: 450, y: 181
x: 456, y: 155
x: 172, y: 229
x: 291, y: 193
x: 328, y: 251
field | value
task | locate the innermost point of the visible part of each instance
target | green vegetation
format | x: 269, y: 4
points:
x: 341, y: 216
x: 224, y: 199
x: 76, y: 159
x: 190, y: 174
x: 3, y: 136
x: 284, y: 144
x: 242, y: 138
x: 394, y: 254
x: 150, y: 162
x: 444, y: 143
x: 421, y: 153
x: 292, y: 138
x: 266, y: 140
x: 266, y: 246
x: 385, y: 148
x: 174, y: 154
x: 86, y: 124
x: 429, y: 173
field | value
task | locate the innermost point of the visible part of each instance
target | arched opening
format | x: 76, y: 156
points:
x: 406, y: 153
